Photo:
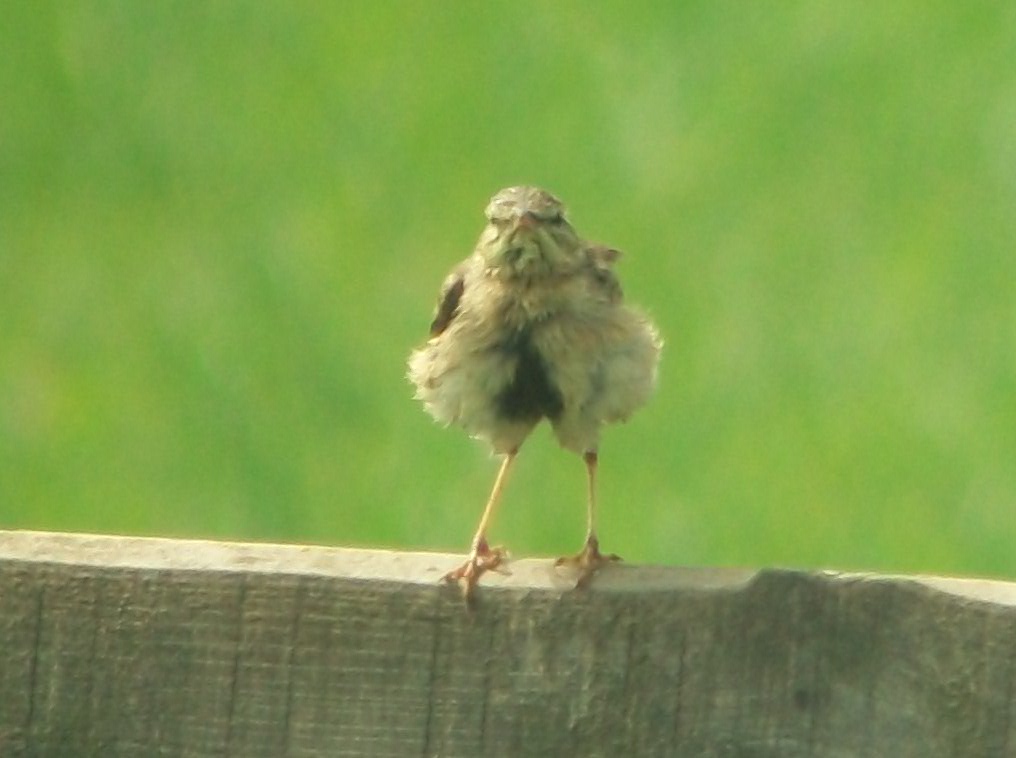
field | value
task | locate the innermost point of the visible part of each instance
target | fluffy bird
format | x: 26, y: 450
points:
x: 533, y: 326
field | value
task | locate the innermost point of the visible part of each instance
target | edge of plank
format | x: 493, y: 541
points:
x: 422, y: 568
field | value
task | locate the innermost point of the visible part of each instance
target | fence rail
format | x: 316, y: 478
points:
x: 115, y: 646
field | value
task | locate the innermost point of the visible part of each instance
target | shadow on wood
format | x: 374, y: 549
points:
x: 122, y: 647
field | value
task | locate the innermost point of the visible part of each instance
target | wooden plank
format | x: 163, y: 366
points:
x: 119, y: 646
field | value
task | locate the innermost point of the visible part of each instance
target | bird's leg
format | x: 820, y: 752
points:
x: 589, y: 559
x: 483, y: 557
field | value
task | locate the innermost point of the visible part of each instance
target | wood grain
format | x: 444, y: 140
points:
x: 119, y: 646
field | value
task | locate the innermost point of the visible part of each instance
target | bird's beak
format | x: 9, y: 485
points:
x: 526, y: 221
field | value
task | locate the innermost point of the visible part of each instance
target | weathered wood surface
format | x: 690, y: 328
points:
x: 127, y: 647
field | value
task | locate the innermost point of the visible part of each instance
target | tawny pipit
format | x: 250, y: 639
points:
x: 532, y: 326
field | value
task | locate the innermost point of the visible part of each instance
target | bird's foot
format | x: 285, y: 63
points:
x: 588, y: 561
x: 482, y: 558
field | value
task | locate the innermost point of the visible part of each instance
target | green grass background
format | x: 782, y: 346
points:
x: 223, y: 226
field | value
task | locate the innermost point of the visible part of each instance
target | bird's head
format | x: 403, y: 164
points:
x: 527, y: 234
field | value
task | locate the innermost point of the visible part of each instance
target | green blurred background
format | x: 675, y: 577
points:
x: 223, y: 227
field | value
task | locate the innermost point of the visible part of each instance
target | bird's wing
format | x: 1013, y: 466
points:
x: 448, y: 301
x: 600, y: 260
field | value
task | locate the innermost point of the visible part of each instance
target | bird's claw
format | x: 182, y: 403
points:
x: 482, y: 558
x: 588, y: 561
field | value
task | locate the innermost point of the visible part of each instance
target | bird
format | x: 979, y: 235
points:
x: 533, y: 326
